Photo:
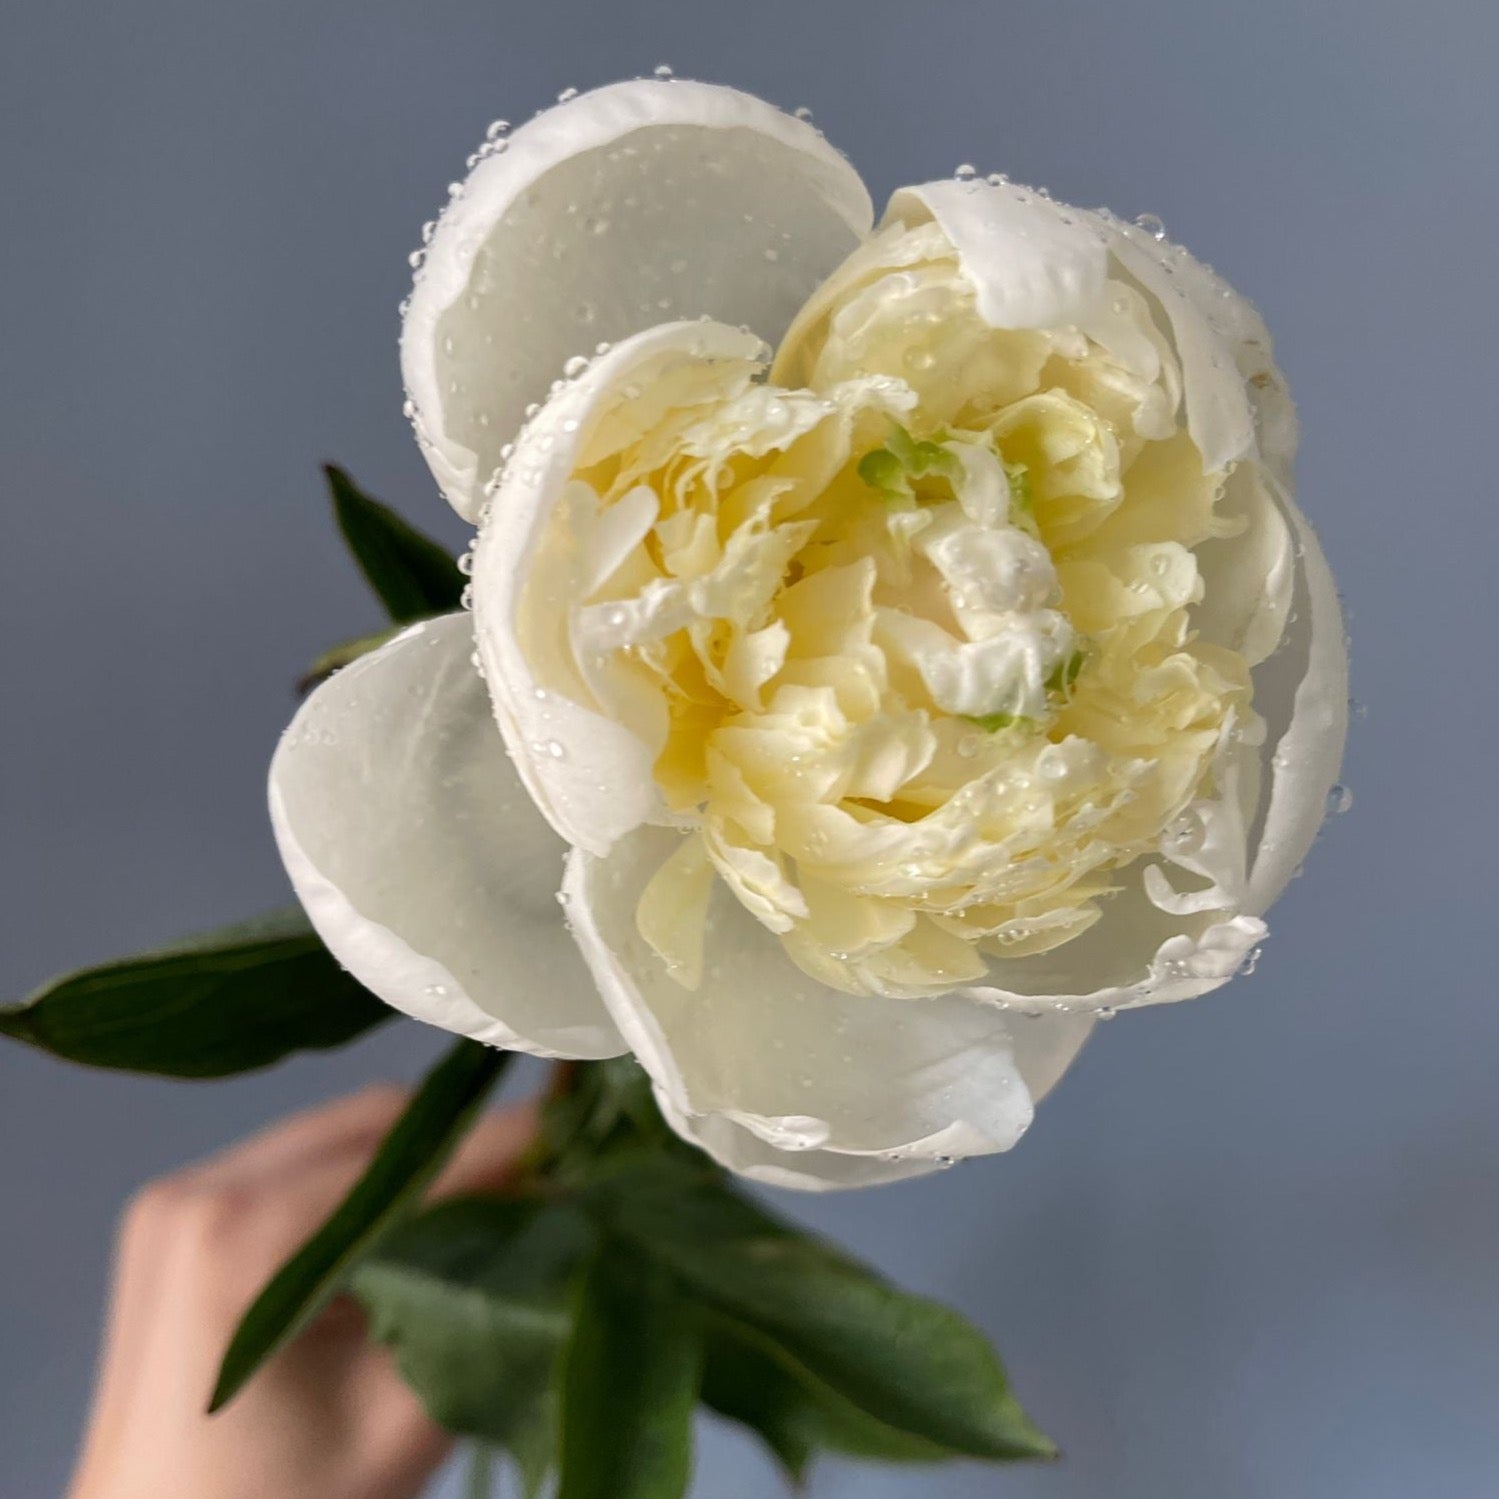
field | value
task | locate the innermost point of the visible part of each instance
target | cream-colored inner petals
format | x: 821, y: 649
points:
x: 909, y: 626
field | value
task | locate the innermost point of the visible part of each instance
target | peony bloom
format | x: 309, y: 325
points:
x: 892, y: 648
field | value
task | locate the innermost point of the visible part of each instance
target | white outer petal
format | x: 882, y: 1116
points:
x: 420, y: 859
x: 601, y: 785
x: 1183, y: 966
x: 1033, y: 263
x: 790, y: 1082
x: 1307, y: 757
x: 744, y: 1153
x: 1226, y: 353
x: 1220, y: 414
x: 727, y: 207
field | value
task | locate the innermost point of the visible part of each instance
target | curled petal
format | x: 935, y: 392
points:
x: 621, y: 208
x: 1220, y: 412
x: 784, y: 1079
x: 1034, y: 263
x: 419, y: 857
x: 1307, y: 755
x: 534, y: 565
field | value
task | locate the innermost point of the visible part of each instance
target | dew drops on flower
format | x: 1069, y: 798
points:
x: 907, y: 618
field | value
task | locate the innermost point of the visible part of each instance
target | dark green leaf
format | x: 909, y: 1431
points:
x: 408, y: 1158
x: 795, y: 1415
x: 911, y: 1364
x: 474, y: 1298
x: 745, y: 1385
x: 223, y: 1002
x: 630, y: 1383
x: 412, y: 575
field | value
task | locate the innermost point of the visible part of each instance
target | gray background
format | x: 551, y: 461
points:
x: 1251, y: 1248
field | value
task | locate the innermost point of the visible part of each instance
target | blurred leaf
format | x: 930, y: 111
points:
x: 474, y: 1299
x: 606, y: 1113
x: 481, y: 1472
x: 412, y: 575
x: 223, y: 1002
x: 909, y: 1363
x: 629, y: 1383
x: 408, y: 1158
x: 793, y: 1414
x: 533, y: 1446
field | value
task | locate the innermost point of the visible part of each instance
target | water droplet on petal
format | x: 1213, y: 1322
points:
x: 1339, y: 800
x: 966, y: 172
x: 566, y: 95
x: 802, y: 112
x: 663, y: 71
x: 1153, y: 224
x: 497, y: 128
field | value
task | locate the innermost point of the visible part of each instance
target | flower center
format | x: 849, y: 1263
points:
x: 910, y: 641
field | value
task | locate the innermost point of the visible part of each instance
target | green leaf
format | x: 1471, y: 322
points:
x: 630, y: 1383
x: 911, y: 1364
x: 408, y: 1158
x: 412, y: 575
x: 474, y: 1298
x: 223, y: 1002
x: 533, y: 1447
x: 793, y: 1414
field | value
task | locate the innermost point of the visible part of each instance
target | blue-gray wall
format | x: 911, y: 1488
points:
x: 1251, y: 1248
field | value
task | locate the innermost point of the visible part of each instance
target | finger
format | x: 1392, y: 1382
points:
x: 487, y: 1157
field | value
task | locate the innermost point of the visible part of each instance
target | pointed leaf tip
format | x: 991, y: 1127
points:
x: 412, y: 575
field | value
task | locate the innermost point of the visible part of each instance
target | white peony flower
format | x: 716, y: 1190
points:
x: 884, y: 709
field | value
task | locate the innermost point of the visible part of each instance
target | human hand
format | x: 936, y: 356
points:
x: 328, y: 1417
